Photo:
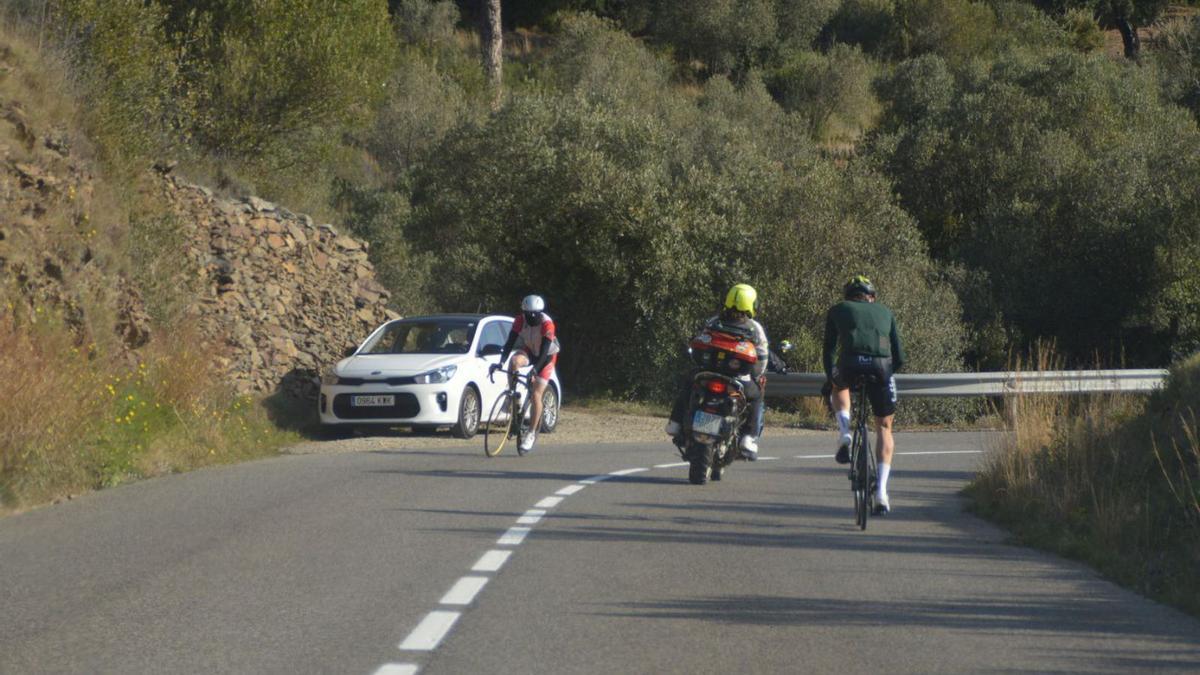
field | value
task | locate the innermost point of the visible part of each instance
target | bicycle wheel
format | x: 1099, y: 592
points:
x: 856, y: 478
x: 863, y: 496
x: 500, y: 422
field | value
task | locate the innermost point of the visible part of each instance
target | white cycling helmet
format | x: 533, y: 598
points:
x: 533, y: 303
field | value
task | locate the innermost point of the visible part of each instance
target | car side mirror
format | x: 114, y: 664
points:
x: 490, y: 350
x: 349, y: 351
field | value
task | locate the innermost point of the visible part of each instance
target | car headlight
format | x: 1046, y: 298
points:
x: 329, y: 377
x: 442, y: 374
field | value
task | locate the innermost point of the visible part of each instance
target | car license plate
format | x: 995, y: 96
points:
x: 707, y: 423
x: 380, y: 401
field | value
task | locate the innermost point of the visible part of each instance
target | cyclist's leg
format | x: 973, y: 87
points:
x: 537, y: 386
x: 840, y: 400
x: 519, y: 360
x: 883, y: 404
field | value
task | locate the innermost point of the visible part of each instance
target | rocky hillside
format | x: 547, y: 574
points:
x: 285, y: 295
x: 279, y: 295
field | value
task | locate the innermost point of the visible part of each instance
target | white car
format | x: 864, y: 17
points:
x: 424, y: 372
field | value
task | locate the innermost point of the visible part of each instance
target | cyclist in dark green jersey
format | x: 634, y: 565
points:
x: 869, y: 345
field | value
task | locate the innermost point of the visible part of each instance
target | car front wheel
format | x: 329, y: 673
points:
x: 468, y: 414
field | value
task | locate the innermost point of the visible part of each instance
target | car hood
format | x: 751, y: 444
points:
x: 391, y: 365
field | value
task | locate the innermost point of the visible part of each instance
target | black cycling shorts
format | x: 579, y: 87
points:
x: 881, y: 383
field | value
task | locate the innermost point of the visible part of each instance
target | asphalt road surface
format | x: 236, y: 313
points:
x: 574, y: 559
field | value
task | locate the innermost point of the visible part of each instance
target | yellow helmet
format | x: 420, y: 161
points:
x: 743, y: 298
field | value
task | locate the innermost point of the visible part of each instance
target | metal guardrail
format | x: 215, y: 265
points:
x: 988, y: 384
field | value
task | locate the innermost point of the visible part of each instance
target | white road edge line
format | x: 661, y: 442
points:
x: 594, y: 479
x: 549, y: 503
x: 766, y: 459
x: 398, y: 669
x: 464, y: 590
x: 673, y: 465
x: 513, y: 536
x: 491, y: 561
x: 531, y: 517
x: 429, y: 633
x: 626, y: 472
x: 928, y: 452
x: 570, y: 490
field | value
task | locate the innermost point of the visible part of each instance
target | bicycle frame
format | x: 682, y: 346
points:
x: 517, y: 405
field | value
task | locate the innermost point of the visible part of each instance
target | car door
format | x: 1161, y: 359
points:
x: 494, y: 334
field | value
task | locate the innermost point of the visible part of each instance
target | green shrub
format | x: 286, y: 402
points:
x: 616, y: 214
x: 1067, y: 182
x: 1177, y: 54
x: 870, y: 24
x: 131, y: 76
x: 235, y: 79
x: 725, y: 35
x: 1084, y: 33
x: 831, y: 90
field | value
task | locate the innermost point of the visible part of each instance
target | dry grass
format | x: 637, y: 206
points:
x: 1087, y: 477
x: 72, y: 421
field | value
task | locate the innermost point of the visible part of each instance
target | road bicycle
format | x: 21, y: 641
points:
x: 864, y: 468
x: 509, y: 416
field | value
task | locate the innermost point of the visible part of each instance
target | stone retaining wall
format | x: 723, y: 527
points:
x: 284, y: 295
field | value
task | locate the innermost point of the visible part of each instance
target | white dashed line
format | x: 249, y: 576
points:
x: 766, y: 459
x: 531, y: 517
x: 464, y: 590
x: 429, y: 633
x: 513, y: 536
x: 491, y: 561
x: 437, y: 624
x: 397, y: 669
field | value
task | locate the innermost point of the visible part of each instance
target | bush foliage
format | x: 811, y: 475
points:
x: 1003, y: 180
x: 1087, y: 226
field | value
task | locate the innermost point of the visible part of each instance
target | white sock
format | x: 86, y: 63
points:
x: 843, y: 420
x: 885, y: 470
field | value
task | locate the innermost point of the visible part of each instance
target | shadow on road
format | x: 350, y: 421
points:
x: 1063, y: 614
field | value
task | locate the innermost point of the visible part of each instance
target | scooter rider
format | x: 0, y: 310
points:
x: 741, y: 303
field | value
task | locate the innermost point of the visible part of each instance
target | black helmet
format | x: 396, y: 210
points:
x: 859, y: 285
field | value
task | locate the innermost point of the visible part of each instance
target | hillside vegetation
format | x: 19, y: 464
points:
x: 104, y: 379
x: 1001, y: 176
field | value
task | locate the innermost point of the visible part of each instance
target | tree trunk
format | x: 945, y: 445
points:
x: 1133, y: 44
x: 493, y: 50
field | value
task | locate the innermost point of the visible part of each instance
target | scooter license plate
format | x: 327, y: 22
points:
x: 707, y: 423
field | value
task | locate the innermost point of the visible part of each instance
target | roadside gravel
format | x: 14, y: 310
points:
x: 574, y: 427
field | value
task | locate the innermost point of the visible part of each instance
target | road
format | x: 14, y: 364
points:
x: 440, y: 560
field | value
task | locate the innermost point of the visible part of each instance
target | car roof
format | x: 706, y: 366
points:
x: 458, y: 317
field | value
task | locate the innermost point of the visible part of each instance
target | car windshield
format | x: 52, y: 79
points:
x: 446, y: 336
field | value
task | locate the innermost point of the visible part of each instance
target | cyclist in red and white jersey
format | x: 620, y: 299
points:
x: 536, y: 344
